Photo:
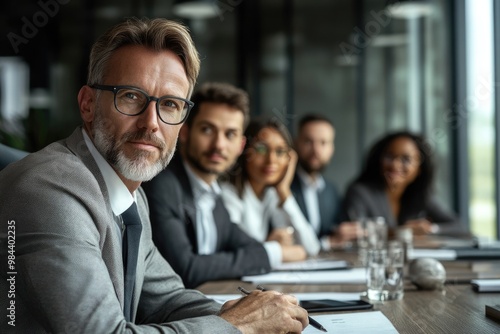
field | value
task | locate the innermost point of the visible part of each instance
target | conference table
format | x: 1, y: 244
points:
x: 456, y: 308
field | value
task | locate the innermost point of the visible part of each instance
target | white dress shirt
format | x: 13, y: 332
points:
x: 311, y: 188
x: 205, y: 196
x: 257, y: 217
x: 120, y: 197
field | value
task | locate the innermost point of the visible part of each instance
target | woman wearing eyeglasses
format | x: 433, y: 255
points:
x: 258, y: 196
x: 396, y: 183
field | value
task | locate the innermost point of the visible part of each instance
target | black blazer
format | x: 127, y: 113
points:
x: 173, y: 220
x: 329, y: 204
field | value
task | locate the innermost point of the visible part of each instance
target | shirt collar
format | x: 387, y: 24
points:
x: 200, y: 187
x: 317, y: 183
x: 119, y: 195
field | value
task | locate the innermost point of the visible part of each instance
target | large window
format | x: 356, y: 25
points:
x: 478, y: 108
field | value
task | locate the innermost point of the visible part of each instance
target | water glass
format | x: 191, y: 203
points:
x: 384, y: 277
x: 394, y: 268
x: 405, y: 236
x: 375, y: 273
x: 373, y: 234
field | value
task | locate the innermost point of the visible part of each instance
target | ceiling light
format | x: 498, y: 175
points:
x: 410, y: 9
x: 196, y: 9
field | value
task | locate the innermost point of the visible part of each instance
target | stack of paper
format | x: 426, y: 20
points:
x: 486, y: 285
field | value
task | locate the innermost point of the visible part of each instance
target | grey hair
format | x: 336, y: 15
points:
x: 157, y: 34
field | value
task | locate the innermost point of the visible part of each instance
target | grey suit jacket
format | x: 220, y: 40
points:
x: 68, y: 262
x: 173, y: 218
x: 366, y: 200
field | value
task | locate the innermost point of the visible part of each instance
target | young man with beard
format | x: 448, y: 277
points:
x: 191, y: 227
x: 318, y: 197
x: 82, y: 257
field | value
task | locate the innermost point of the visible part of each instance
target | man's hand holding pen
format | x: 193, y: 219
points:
x: 265, y: 312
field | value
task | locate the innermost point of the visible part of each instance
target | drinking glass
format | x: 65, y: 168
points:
x: 394, y: 268
x: 372, y: 234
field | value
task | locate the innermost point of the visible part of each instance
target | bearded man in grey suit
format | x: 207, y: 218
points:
x: 62, y: 206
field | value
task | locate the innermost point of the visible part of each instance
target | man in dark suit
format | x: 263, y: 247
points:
x: 318, y: 197
x: 191, y: 226
x: 77, y: 260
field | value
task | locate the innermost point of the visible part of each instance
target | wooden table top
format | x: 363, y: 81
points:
x: 455, y: 309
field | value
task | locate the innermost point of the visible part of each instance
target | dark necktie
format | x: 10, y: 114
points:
x: 131, y: 238
x: 220, y: 212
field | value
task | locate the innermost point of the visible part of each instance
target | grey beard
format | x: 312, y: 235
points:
x: 136, y: 169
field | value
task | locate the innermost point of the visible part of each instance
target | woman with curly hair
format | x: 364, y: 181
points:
x: 396, y: 183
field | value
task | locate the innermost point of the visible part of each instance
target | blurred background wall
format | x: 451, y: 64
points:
x: 371, y: 66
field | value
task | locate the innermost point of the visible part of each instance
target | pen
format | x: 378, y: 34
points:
x: 312, y: 322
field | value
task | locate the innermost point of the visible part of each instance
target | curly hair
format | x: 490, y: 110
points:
x: 421, y: 188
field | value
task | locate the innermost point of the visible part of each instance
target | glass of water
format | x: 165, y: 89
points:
x: 384, y: 277
x: 394, y: 267
x: 372, y: 234
x: 375, y: 273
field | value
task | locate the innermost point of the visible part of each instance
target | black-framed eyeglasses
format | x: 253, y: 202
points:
x: 132, y: 101
x: 262, y: 149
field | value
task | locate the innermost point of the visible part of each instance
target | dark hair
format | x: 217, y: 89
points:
x: 219, y: 92
x: 238, y: 175
x: 312, y: 117
x: 421, y: 188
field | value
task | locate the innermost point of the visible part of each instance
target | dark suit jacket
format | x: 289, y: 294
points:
x: 173, y: 219
x: 55, y: 208
x: 366, y: 200
x: 329, y: 204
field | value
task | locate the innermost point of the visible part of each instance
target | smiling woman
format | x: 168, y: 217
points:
x: 258, y: 195
x: 396, y: 183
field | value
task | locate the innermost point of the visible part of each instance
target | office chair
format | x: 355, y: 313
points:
x: 10, y: 154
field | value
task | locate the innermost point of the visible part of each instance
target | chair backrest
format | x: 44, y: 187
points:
x: 9, y: 154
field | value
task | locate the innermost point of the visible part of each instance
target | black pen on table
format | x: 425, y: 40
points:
x: 312, y: 322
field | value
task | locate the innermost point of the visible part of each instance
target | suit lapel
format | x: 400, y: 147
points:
x: 189, y: 209
x: 112, y: 257
x: 299, y: 195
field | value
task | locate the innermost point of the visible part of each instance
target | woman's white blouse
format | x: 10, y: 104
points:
x: 257, y: 217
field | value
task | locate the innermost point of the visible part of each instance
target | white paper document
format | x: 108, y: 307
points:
x: 374, y: 322
x: 486, y: 285
x: 300, y: 296
x: 438, y: 254
x: 312, y: 264
x: 347, y: 276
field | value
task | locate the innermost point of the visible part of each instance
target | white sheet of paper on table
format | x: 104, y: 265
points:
x: 348, y: 276
x: 374, y: 322
x: 438, y: 254
x: 222, y: 298
x: 312, y: 264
